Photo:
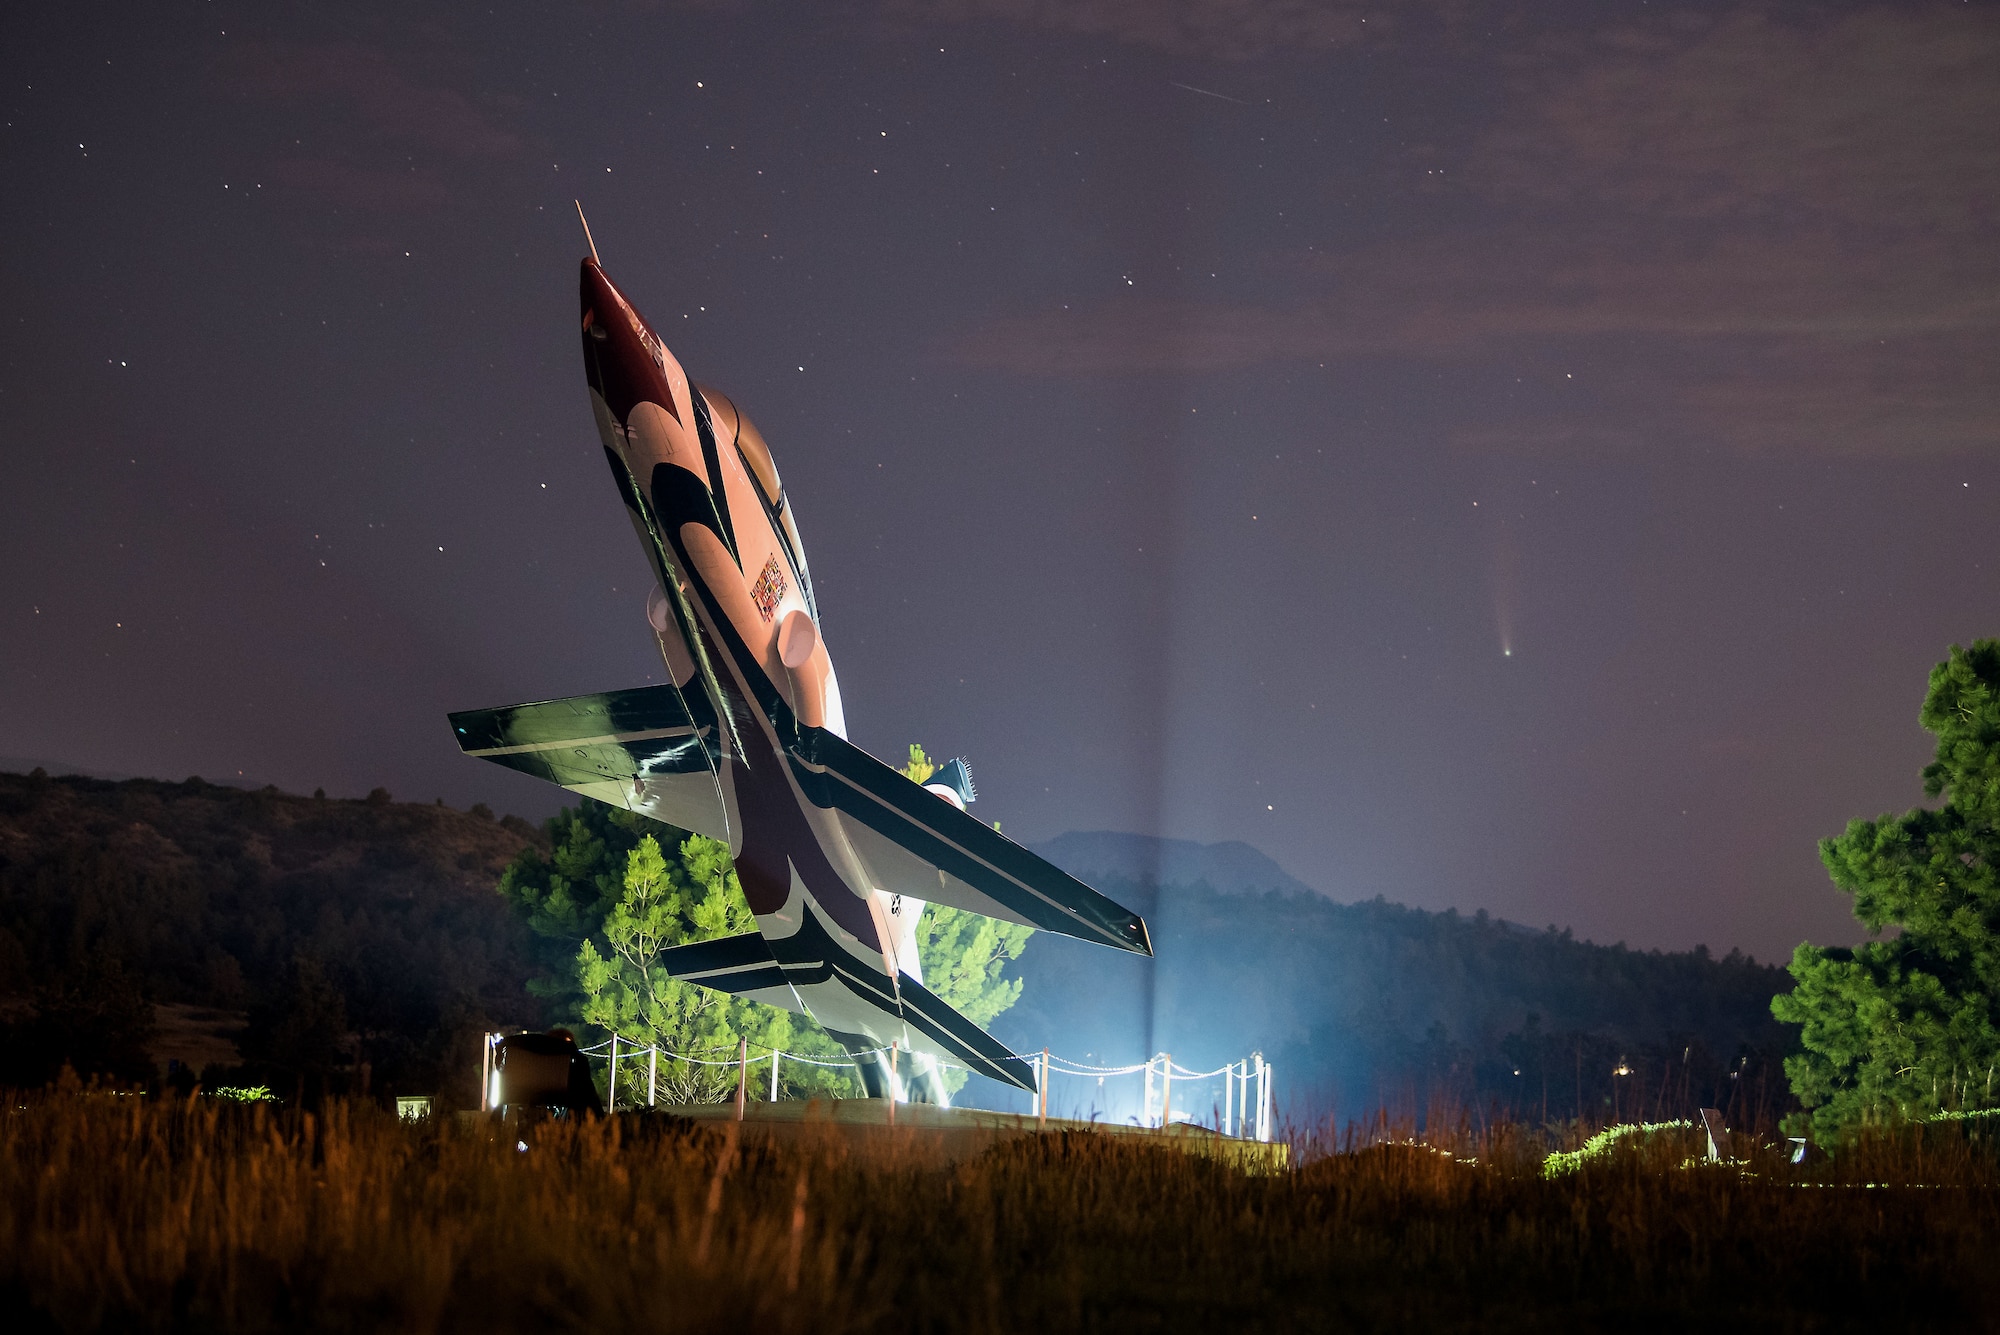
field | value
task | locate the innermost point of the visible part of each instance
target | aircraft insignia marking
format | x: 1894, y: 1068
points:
x: 770, y: 587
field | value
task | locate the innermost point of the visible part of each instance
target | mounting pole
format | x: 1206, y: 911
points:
x: 586, y: 233
x: 742, y: 1071
x: 611, y: 1086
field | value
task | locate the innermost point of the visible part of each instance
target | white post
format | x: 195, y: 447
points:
x: 1042, y: 1093
x: 742, y: 1074
x: 1228, y: 1097
x: 611, y: 1086
x: 1147, y: 1120
x: 1166, y: 1088
x: 774, y: 1075
x: 653, y: 1078
x: 1263, y: 1100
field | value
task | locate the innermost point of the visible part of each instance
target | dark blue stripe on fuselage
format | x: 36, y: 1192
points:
x: 1066, y: 905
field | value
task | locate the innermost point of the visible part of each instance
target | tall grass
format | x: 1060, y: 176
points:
x: 130, y: 1213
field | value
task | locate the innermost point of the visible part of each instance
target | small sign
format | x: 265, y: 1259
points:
x: 414, y: 1109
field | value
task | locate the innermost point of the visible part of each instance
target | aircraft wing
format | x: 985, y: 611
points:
x: 915, y: 843
x: 641, y: 749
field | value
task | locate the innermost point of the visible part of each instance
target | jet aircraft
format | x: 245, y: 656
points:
x: 746, y: 742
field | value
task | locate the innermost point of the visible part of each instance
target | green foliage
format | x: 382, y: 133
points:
x: 564, y: 895
x: 616, y: 889
x: 243, y: 1094
x: 1609, y: 1141
x: 628, y: 992
x: 921, y: 766
x: 1910, y: 1026
x: 965, y: 955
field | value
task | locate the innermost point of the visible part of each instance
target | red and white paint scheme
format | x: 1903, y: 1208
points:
x: 836, y: 852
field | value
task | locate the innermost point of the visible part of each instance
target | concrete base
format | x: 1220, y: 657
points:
x: 926, y: 1131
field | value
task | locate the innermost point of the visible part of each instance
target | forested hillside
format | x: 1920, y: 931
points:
x: 1368, y: 1004
x: 326, y: 943
x: 357, y: 942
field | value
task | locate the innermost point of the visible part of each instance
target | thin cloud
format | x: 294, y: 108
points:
x: 402, y: 189
x: 381, y: 96
x: 1218, y: 29
x: 1456, y: 293
x: 1753, y: 235
x: 1751, y: 344
x: 1883, y: 119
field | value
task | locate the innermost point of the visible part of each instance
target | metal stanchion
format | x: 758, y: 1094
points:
x: 611, y: 1101
x: 1270, y: 1100
x: 486, y: 1073
x: 742, y: 1074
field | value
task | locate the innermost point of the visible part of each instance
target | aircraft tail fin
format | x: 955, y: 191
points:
x: 739, y: 965
x: 743, y: 966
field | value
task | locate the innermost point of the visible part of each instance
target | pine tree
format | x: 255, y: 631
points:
x: 616, y: 889
x: 1910, y: 1026
x: 564, y: 895
x: 628, y: 992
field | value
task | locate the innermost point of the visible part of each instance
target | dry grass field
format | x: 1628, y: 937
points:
x: 128, y: 1213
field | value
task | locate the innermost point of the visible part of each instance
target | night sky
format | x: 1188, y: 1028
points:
x: 1521, y: 457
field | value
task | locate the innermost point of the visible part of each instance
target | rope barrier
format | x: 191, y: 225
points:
x: 1057, y: 1065
x: 1238, y: 1114
x: 628, y: 1050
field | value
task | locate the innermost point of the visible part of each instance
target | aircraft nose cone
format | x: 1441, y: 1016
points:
x: 623, y: 359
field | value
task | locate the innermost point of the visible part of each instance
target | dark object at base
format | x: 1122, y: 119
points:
x: 544, y: 1071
